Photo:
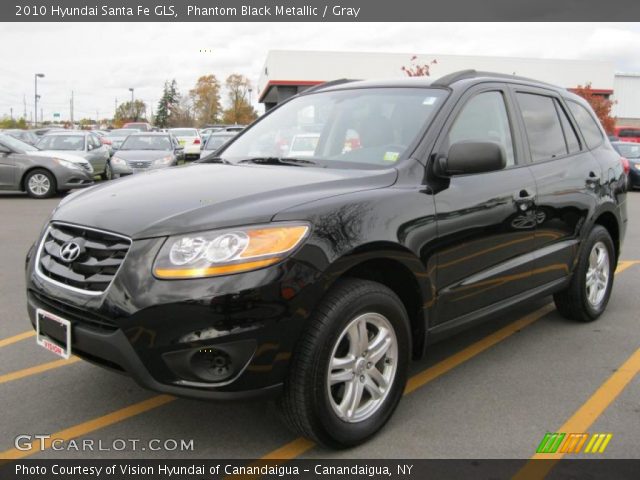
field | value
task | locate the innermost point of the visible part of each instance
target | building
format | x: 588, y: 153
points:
x: 288, y: 72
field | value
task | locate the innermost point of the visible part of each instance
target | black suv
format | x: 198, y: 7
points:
x: 412, y: 209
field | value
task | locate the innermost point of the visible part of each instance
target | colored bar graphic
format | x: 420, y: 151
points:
x: 573, y: 442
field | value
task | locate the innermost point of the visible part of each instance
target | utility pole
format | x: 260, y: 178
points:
x: 131, y: 112
x: 71, y: 108
x: 115, y: 108
x: 11, y: 109
x: 36, y: 97
x: 24, y: 104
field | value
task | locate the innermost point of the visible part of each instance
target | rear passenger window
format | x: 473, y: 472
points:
x: 544, y: 131
x: 588, y: 125
x: 484, y: 119
x: 569, y: 133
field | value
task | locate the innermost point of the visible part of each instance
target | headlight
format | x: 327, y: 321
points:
x: 68, y: 164
x: 164, y: 160
x: 119, y: 162
x: 224, y: 252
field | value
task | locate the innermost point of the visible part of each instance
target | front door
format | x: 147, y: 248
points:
x: 485, y: 220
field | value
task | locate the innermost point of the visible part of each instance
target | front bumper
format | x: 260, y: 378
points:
x: 150, y: 329
x: 69, y: 179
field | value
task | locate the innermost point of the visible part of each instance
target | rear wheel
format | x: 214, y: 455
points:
x: 108, y: 172
x: 587, y: 296
x: 349, y: 369
x: 40, y: 184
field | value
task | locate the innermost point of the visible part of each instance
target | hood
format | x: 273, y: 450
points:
x: 70, y: 157
x: 133, y: 155
x: 207, y: 196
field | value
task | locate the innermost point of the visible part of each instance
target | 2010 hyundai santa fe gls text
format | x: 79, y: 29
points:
x: 331, y: 241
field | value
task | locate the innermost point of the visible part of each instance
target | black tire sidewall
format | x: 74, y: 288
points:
x: 598, y: 234
x: 52, y: 184
x: 337, y: 431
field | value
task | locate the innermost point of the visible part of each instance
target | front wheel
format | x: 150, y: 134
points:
x: 587, y: 296
x: 40, y: 184
x: 108, y: 172
x: 349, y: 369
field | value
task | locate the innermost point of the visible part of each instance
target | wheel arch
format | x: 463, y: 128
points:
x: 398, y: 269
x: 25, y: 174
x: 609, y: 221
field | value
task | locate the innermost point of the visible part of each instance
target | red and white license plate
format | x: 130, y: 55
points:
x: 53, y: 333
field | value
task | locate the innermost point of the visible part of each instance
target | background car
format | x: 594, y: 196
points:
x: 190, y: 139
x: 627, y: 134
x: 141, y: 126
x: 217, y: 140
x: 118, y: 136
x: 84, y: 144
x: 43, y: 131
x: 25, y: 136
x: 630, y: 151
x: 144, y: 151
x: 24, y: 168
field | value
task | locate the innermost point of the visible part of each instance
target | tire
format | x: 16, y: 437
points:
x: 40, y: 183
x: 310, y: 404
x: 108, y: 172
x: 585, y: 300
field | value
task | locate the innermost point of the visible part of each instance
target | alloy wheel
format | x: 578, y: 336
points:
x: 598, y: 275
x: 39, y: 184
x: 362, y: 367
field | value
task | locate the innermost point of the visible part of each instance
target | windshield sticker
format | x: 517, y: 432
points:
x: 429, y: 101
x: 391, y: 156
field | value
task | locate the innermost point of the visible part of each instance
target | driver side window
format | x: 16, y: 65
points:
x: 484, y: 119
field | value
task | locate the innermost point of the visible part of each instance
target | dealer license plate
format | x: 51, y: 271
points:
x: 53, y: 333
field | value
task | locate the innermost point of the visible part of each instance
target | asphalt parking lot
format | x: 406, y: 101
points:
x: 492, y: 392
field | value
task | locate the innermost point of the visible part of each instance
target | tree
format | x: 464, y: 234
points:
x: 206, y: 100
x: 418, y: 69
x: 240, y: 110
x: 167, y: 104
x: 128, y: 112
x: 600, y: 104
x: 7, y: 122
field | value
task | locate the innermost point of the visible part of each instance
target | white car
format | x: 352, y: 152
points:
x: 190, y: 139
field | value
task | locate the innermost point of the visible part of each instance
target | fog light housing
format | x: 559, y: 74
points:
x: 210, y: 364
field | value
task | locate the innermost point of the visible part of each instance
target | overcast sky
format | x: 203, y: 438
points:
x: 99, y: 62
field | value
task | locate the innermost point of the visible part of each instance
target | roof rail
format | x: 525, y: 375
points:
x: 447, y: 80
x: 331, y: 83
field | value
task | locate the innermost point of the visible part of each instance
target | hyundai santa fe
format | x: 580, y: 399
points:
x: 424, y: 207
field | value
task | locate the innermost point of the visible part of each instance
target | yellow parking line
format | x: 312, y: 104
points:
x: 37, y: 369
x: 624, y: 264
x: 92, y: 425
x: 585, y: 416
x: 16, y: 338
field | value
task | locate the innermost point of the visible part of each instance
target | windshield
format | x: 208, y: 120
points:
x: 146, y: 142
x: 629, y: 151
x: 120, y: 133
x: 16, y: 145
x: 216, y: 141
x: 62, y: 142
x: 365, y: 127
x: 184, y: 132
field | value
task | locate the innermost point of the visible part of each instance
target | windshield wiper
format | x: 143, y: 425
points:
x: 212, y: 159
x: 299, y: 162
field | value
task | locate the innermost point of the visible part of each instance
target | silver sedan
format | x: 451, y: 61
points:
x: 84, y: 144
x: 25, y: 168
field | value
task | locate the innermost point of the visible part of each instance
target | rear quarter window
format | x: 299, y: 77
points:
x: 587, y: 123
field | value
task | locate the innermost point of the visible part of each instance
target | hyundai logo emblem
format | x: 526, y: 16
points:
x: 69, y: 251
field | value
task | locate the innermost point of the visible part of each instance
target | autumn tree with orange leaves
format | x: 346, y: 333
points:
x: 418, y: 69
x: 600, y: 104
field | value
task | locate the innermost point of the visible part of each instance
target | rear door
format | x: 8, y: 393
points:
x: 567, y: 179
x: 97, y: 153
x: 8, y: 169
x: 483, y: 219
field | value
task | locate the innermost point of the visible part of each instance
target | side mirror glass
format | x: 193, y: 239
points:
x: 469, y: 157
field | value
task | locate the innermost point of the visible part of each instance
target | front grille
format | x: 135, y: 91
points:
x: 139, y: 163
x: 73, y: 314
x: 100, y: 257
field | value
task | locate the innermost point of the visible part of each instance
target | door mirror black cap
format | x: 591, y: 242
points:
x: 473, y: 157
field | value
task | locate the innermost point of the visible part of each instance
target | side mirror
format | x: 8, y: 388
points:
x: 472, y: 157
x: 4, y: 150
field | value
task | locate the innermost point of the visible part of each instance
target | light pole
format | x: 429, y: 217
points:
x: 36, y: 97
x: 131, y: 90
